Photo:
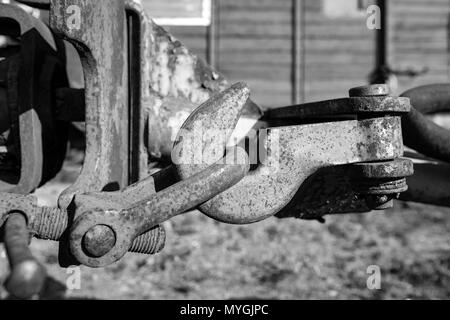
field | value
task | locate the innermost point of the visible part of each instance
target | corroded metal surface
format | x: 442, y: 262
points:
x: 292, y: 171
x: 103, y: 50
x: 170, y: 201
x: 12, y: 201
x: 203, y: 137
x: 129, y: 222
x: 293, y: 153
x: 99, y: 37
x: 51, y: 223
x: 128, y: 219
x: 302, y: 151
x: 140, y: 39
x: 343, y: 106
x: 397, y: 168
x: 179, y: 82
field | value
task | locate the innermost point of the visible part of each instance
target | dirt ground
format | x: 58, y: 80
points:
x: 273, y: 259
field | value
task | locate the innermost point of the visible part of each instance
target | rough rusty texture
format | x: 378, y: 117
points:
x: 172, y: 83
x: 296, y: 152
x: 101, y: 42
x: 343, y: 106
x: 293, y: 153
x: 421, y: 133
x: 150, y: 242
x: 397, y: 168
x: 179, y: 82
x: 98, y: 240
x: 381, y: 178
x: 128, y: 223
x: 130, y: 212
x: 382, y: 186
x: 16, y: 202
x: 204, y: 135
x: 140, y: 65
x: 50, y: 223
x: 27, y: 275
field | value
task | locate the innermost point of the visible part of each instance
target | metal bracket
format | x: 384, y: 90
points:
x: 103, y: 52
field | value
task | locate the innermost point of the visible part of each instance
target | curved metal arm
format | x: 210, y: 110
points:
x: 420, y: 133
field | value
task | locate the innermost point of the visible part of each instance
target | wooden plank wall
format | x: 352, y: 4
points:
x: 420, y: 39
x: 339, y: 52
x: 255, y: 45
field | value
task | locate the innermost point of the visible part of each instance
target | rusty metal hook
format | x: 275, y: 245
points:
x: 107, y: 223
x: 295, y: 152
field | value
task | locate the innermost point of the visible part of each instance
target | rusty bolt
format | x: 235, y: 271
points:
x: 149, y: 242
x: 99, y: 240
x: 381, y: 182
x: 370, y: 90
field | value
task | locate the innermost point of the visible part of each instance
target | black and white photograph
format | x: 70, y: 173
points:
x: 225, y: 155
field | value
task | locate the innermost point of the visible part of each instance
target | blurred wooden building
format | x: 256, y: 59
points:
x: 303, y: 50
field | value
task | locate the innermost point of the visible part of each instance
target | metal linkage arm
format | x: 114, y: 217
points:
x: 231, y: 194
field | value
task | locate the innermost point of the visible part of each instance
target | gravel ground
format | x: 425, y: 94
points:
x: 275, y: 259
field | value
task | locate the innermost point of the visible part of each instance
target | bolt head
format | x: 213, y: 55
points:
x: 370, y: 90
x: 99, y: 240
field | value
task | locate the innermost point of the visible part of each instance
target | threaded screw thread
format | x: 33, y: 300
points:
x: 150, y: 242
x: 50, y: 223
